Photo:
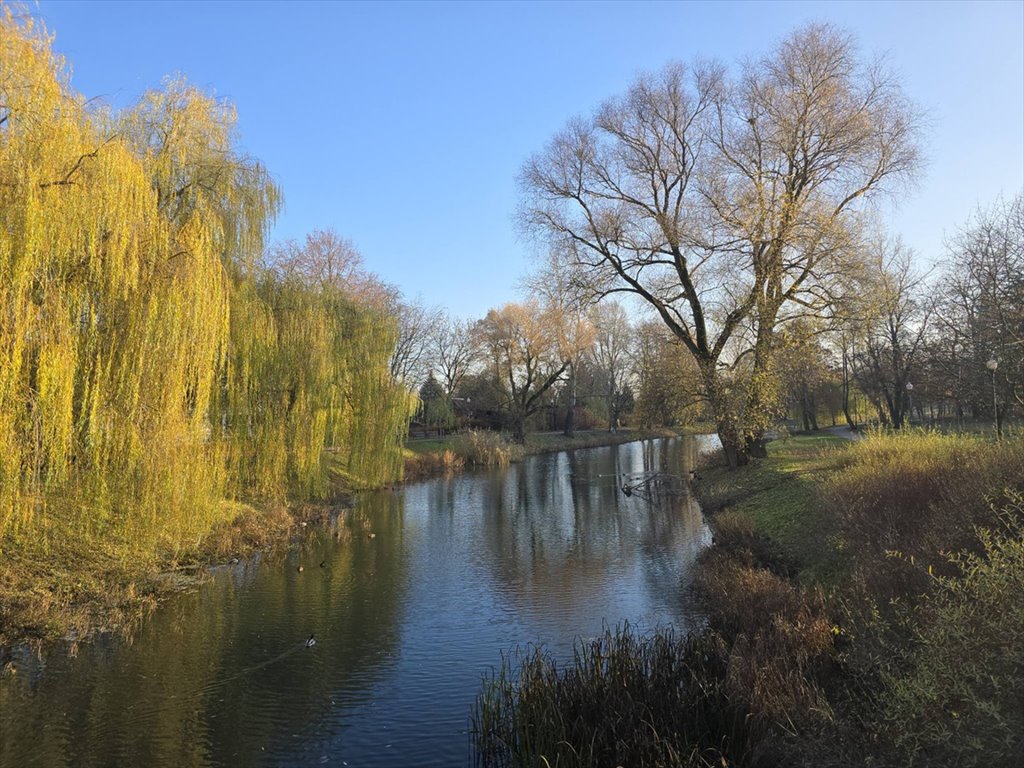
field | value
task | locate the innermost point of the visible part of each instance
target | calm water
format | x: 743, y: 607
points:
x: 407, y: 622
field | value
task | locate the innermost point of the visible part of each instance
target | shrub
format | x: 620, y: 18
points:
x: 779, y: 641
x: 902, y: 500
x: 480, y: 448
x: 960, y: 698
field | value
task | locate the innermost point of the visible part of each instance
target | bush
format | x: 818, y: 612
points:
x: 960, y: 698
x: 480, y: 448
x: 779, y: 641
x: 902, y: 500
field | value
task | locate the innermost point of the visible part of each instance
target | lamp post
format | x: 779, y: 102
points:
x: 910, y: 402
x: 992, y: 365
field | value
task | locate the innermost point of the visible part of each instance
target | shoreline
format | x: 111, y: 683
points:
x: 438, y: 457
x: 53, y: 605
x: 73, y: 606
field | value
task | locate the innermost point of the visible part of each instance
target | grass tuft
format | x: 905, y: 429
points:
x: 625, y: 699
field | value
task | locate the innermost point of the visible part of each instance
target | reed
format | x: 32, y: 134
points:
x: 626, y: 698
x: 481, y: 448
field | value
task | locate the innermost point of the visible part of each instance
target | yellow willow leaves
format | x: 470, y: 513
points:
x: 151, y: 367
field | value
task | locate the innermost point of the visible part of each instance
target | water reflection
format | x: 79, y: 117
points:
x: 407, y: 621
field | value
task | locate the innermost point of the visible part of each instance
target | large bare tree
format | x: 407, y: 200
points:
x: 729, y: 203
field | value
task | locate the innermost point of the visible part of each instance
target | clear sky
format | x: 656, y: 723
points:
x: 404, y: 125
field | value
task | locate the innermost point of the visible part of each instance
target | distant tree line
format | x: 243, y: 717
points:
x: 923, y: 348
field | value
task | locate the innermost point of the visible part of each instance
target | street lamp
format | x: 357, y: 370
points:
x: 910, y: 402
x: 992, y: 365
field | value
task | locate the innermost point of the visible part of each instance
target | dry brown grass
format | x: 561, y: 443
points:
x: 422, y: 465
x: 900, y: 502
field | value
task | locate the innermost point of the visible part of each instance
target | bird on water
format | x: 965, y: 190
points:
x: 311, y: 642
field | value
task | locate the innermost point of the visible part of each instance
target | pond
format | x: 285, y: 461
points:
x: 412, y: 597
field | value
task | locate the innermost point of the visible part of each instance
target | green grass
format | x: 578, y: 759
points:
x: 779, y: 497
x: 421, y: 447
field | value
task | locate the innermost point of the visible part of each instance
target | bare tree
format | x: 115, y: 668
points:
x: 611, y: 353
x: 555, y: 284
x: 329, y: 261
x: 417, y: 325
x: 324, y: 259
x: 893, y: 339
x: 983, y: 309
x: 521, y: 343
x: 452, y: 351
x: 728, y: 204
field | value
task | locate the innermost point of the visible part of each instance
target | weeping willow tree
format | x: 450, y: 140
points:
x: 152, y: 369
x: 308, y: 369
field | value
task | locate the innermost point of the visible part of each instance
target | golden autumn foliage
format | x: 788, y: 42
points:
x: 153, y: 368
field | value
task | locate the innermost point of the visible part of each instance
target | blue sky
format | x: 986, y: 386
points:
x: 404, y: 125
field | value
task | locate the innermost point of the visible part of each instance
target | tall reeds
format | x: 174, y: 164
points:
x: 626, y: 698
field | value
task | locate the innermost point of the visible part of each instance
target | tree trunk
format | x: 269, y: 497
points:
x: 762, y: 396
x: 518, y: 429
x: 850, y: 420
x: 735, y: 446
x: 805, y: 410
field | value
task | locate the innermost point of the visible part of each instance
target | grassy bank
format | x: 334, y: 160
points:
x: 426, y: 458
x: 863, y: 604
x: 74, y: 586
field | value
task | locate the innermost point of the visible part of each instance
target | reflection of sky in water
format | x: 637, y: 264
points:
x: 461, y: 569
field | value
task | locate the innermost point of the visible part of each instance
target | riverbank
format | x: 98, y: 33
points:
x: 70, y: 589
x: 862, y: 602
x: 429, y: 458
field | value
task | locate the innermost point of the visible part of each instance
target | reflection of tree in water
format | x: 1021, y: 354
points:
x: 195, y: 688
x: 560, y: 525
x: 675, y: 517
x: 216, y: 676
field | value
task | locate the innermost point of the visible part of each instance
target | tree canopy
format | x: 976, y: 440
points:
x: 729, y: 203
x: 153, y: 364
